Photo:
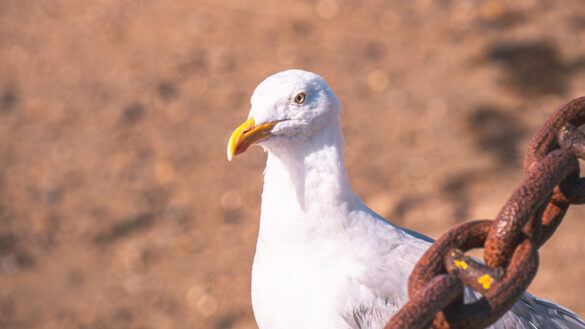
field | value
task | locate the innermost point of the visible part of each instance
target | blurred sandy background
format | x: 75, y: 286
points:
x: 118, y: 208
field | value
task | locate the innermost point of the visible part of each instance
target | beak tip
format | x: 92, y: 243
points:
x: 230, y: 152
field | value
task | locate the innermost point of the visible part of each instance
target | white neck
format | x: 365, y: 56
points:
x: 304, y: 177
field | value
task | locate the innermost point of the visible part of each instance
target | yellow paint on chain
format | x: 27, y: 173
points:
x: 486, y: 281
x: 461, y: 264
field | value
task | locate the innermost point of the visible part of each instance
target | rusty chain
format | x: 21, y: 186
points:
x: 528, y: 219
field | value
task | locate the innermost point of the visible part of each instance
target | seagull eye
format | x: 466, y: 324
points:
x: 300, y: 98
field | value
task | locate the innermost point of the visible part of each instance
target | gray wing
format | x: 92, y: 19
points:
x: 531, y: 313
x: 388, y: 282
x: 528, y: 313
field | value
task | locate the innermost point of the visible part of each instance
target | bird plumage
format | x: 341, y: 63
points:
x: 323, y: 258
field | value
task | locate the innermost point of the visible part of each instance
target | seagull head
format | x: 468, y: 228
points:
x: 287, y: 107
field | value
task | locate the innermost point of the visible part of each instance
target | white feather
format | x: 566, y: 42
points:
x: 323, y: 259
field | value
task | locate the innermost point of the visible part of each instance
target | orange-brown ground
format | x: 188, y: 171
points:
x: 118, y: 208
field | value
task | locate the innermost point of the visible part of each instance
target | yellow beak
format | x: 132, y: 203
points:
x: 246, y: 135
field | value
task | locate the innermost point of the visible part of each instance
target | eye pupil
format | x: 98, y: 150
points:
x: 300, y: 98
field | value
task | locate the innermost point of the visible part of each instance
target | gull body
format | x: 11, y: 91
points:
x: 323, y: 258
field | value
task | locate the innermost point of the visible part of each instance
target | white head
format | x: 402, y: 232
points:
x: 287, y: 107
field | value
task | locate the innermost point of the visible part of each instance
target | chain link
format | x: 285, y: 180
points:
x: 527, y: 220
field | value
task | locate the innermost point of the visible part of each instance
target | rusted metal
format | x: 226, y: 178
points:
x: 464, y: 236
x: 551, y: 219
x: 500, y: 297
x: 421, y: 308
x: 572, y: 139
x: 478, y: 276
x: 534, y: 191
x: 510, y: 286
x: 545, y: 139
x: 511, y: 242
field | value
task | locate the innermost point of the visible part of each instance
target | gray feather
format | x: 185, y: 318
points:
x: 528, y: 313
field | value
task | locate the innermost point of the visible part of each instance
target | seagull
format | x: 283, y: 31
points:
x: 323, y: 258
